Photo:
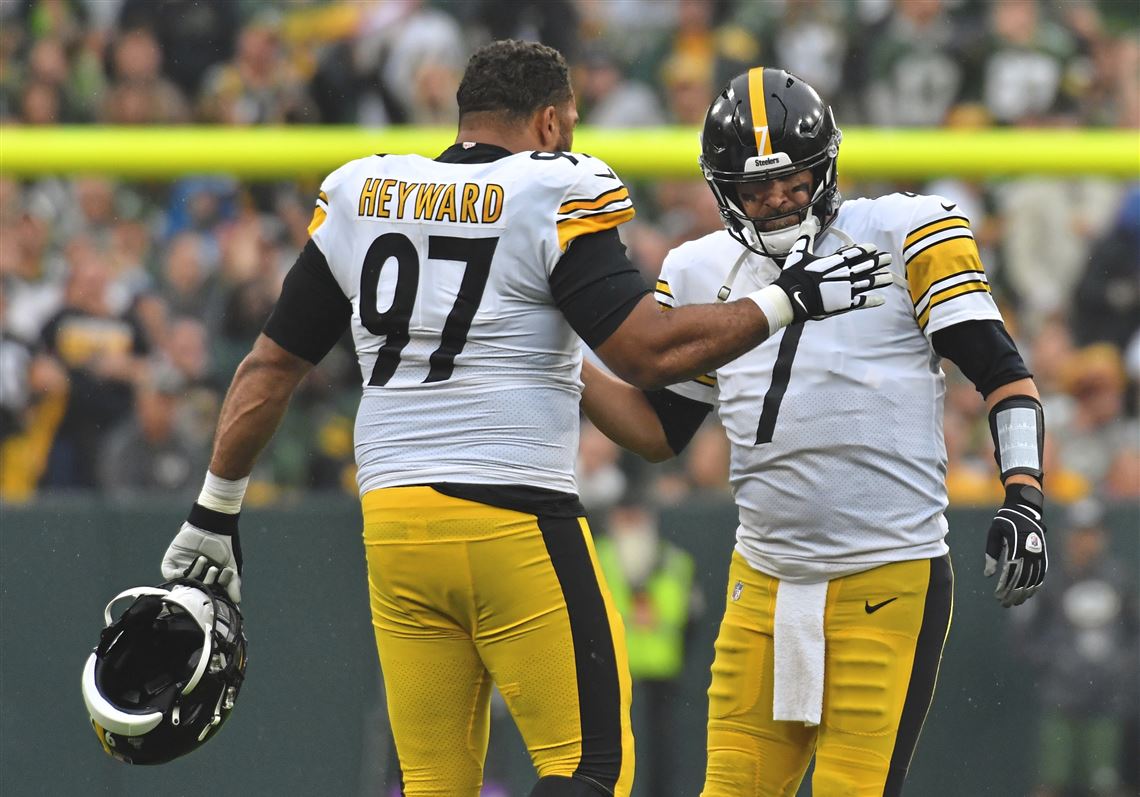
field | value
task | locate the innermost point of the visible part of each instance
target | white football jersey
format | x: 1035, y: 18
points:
x: 838, y: 462
x: 470, y: 371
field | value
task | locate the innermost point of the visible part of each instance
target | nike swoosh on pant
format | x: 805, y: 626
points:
x: 872, y: 608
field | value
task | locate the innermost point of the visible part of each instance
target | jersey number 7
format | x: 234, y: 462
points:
x: 474, y: 253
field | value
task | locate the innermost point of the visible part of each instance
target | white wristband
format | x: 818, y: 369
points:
x: 222, y: 495
x: 776, y: 306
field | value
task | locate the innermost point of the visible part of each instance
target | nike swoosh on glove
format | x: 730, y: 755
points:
x: 819, y: 287
x: 206, y: 548
x: 1015, y: 545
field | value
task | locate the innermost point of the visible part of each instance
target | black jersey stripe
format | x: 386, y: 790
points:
x: 595, y: 659
x: 923, y: 227
x: 936, y: 614
x: 964, y: 234
x: 587, y: 203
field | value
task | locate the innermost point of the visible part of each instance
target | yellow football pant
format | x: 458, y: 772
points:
x: 464, y: 594
x: 884, y: 630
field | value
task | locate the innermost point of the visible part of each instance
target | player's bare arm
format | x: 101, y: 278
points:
x: 622, y: 413
x: 653, y: 348
x: 254, y: 406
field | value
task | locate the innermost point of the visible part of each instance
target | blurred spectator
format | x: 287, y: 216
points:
x: 424, y: 63
x: 1095, y: 439
x: 651, y: 581
x: 553, y: 22
x: 1081, y: 636
x: 187, y: 282
x: 41, y: 104
x: 186, y: 353
x: 1047, y: 223
x: 103, y: 352
x: 259, y: 87
x: 914, y: 66
x: 702, y: 39
x: 607, y: 98
x: 1027, y: 68
x: 687, y: 79
x: 809, y: 40
x: 193, y: 35
x: 139, y: 94
x: 148, y: 454
x: 601, y: 481
x: 1107, y: 301
x: 33, y: 393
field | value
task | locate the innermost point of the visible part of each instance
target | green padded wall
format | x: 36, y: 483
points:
x: 310, y: 720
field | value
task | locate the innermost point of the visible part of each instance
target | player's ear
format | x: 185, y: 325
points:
x: 546, y: 128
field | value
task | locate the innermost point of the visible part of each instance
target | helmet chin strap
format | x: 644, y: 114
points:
x: 809, y: 226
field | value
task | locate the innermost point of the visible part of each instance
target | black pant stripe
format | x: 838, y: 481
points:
x: 599, y: 694
x: 924, y: 672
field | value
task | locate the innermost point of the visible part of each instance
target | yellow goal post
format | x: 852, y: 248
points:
x: 665, y: 152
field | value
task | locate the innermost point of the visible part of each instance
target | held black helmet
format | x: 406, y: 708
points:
x: 767, y: 123
x: 166, y: 673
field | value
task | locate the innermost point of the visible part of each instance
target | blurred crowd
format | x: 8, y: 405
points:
x: 127, y: 305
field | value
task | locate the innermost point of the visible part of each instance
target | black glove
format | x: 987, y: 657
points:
x: 1015, y: 545
x: 819, y: 287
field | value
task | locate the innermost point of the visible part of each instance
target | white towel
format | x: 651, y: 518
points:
x: 798, y: 685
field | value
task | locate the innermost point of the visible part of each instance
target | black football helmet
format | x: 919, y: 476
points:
x: 768, y: 123
x: 166, y: 673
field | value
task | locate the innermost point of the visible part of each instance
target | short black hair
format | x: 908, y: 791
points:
x: 515, y: 78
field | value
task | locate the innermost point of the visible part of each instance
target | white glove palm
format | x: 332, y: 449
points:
x: 819, y: 287
x: 207, y: 556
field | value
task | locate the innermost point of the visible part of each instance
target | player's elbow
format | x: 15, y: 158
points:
x: 657, y: 452
x: 648, y: 370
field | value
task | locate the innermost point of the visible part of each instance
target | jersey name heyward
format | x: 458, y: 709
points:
x: 469, y: 369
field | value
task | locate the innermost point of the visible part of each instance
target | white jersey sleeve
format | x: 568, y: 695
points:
x: 944, y: 271
x: 594, y: 200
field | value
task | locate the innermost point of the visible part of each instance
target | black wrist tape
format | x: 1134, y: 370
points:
x: 213, y: 521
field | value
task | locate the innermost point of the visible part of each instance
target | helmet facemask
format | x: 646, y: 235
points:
x: 815, y: 216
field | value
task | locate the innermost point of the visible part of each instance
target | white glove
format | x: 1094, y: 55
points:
x: 210, y: 557
x: 819, y: 287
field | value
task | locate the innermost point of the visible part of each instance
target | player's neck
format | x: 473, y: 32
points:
x: 510, y: 140
x: 492, y: 128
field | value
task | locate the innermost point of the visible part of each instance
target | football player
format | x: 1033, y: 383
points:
x: 467, y: 282
x: 840, y: 587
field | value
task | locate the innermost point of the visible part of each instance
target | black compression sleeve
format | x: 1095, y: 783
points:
x: 312, y: 312
x: 596, y: 286
x: 680, y: 416
x: 984, y: 352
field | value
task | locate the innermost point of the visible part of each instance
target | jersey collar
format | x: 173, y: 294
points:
x: 471, y: 152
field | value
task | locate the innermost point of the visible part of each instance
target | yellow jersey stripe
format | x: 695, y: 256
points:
x: 759, y: 110
x: 319, y: 216
x: 942, y: 297
x: 614, y: 194
x: 663, y: 287
x: 707, y: 380
x: 939, y: 261
x: 933, y: 227
x: 569, y: 229
x: 323, y: 197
